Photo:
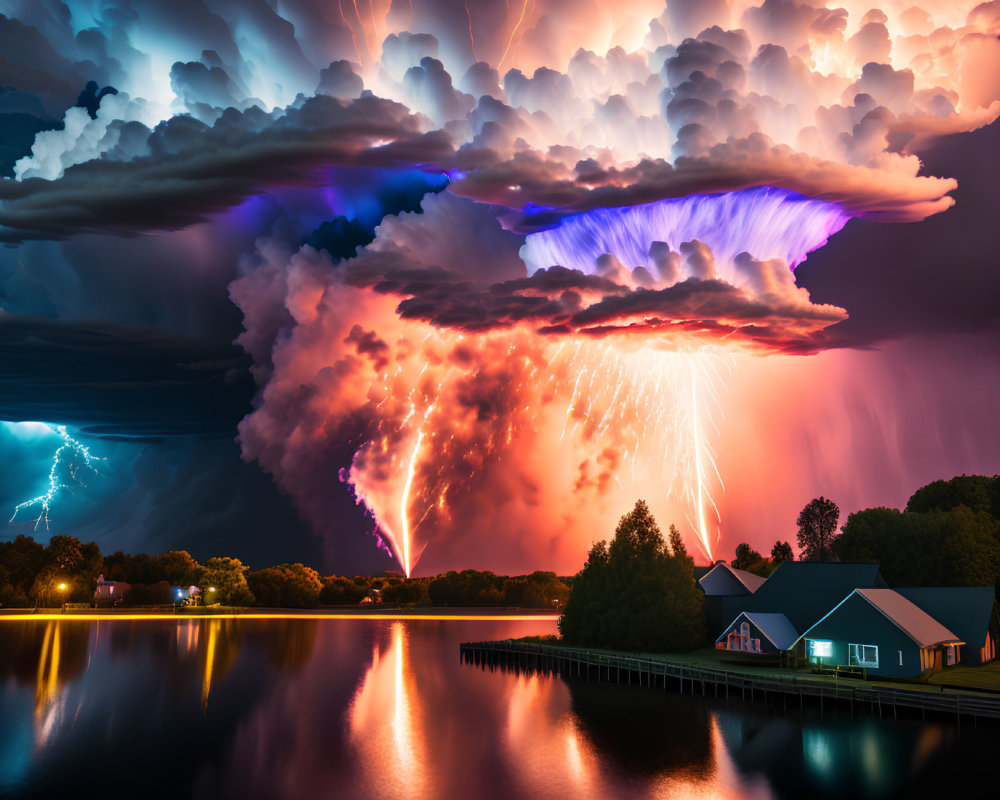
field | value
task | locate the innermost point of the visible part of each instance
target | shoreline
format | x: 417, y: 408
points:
x: 338, y: 612
x: 695, y: 673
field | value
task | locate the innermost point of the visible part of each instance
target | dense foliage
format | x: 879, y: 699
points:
x: 286, y: 586
x: 958, y: 547
x: 338, y: 591
x: 473, y: 588
x: 635, y: 593
x: 32, y: 573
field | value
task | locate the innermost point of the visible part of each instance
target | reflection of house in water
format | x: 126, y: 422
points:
x: 865, y: 758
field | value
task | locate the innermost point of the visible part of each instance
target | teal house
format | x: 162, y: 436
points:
x: 881, y: 632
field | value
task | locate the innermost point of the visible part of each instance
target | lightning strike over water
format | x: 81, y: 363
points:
x: 72, y: 464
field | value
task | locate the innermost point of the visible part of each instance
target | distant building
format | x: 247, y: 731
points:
x: 109, y: 592
x: 880, y: 631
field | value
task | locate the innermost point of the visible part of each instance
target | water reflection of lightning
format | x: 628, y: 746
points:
x: 71, y: 463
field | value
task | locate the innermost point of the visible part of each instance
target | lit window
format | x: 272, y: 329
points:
x: 820, y: 649
x: 864, y: 655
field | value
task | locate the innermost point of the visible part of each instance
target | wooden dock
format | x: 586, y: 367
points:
x: 667, y: 673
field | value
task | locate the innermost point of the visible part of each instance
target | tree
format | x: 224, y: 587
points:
x: 286, y: 586
x: 228, y: 577
x: 537, y: 590
x: 633, y: 595
x: 343, y: 591
x: 817, y: 524
x: 467, y: 588
x: 677, y: 548
x: 21, y: 561
x: 177, y: 568
x: 411, y: 591
x: 67, y: 562
x: 782, y: 551
x: 746, y: 557
x: 750, y: 560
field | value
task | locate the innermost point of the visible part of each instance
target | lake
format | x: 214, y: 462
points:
x: 366, y: 708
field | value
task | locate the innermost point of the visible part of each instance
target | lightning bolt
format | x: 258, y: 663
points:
x: 71, y: 463
x: 357, y: 50
x: 524, y: 10
x: 471, y: 37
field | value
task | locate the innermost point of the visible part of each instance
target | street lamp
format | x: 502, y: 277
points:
x: 62, y: 589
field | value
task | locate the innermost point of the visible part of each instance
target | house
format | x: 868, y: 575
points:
x: 109, y: 592
x: 759, y: 633
x: 969, y: 611
x: 722, y: 581
x: 880, y: 631
x: 803, y: 591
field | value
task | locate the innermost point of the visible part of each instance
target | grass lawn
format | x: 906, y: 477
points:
x: 985, y: 677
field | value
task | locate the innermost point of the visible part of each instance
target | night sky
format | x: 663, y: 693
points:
x: 452, y: 284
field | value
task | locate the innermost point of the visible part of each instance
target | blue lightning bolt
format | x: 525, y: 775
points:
x: 72, y: 463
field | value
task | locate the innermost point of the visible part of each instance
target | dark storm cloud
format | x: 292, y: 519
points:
x: 194, y: 170
x: 113, y: 381
x: 770, y: 312
x: 935, y: 276
x: 530, y: 180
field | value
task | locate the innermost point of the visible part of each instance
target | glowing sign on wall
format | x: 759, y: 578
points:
x: 820, y: 649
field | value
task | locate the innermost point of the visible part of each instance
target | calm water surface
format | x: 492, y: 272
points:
x: 384, y: 709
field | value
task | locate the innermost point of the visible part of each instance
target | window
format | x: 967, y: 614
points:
x: 820, y: 649
x: 864, y: 655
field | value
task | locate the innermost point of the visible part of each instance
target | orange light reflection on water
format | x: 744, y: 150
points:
x: 389, y: 690
x: 180, y: 617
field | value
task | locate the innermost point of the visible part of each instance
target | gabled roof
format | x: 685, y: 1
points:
x: 806, y: 590
x: 966, y: 610
x: 775, y: 627
x: 723, y: 579
x: 922, y: 628
x: 748, y: 579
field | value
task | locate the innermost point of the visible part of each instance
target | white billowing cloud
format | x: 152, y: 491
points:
x: 82, y: 139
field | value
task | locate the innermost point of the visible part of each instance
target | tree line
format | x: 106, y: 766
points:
x: 66, y: 570
x: 947, y: 535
